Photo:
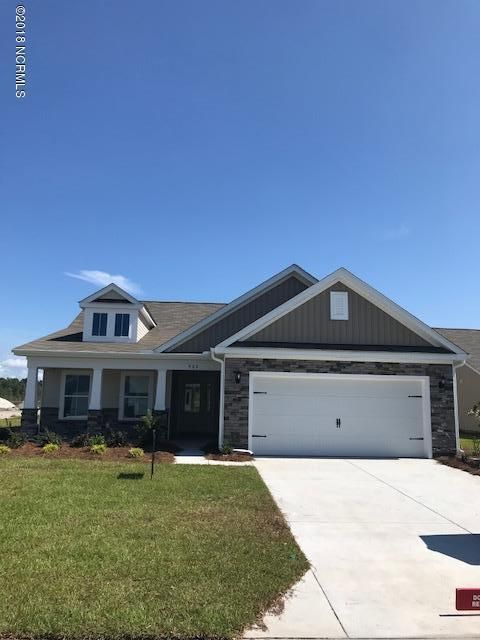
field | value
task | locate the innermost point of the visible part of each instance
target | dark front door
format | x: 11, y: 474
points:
x: 195, y: 402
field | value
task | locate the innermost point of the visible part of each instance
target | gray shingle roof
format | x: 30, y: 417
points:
x: 171, y: 318
x: 466, y: 339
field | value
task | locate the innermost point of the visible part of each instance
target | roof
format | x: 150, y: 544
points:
x: 466, y: 339
x: 171, y: 318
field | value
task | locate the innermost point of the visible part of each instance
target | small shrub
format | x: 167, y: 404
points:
x: 98, y: 449
x: 136, y: 452
x: 98, y: 438
x: 4, y: 450
x: 50, y: 437
x: 476, y: 447
x: 50, y: 447
x: 226, y: 449
x: 82, y: 440
x: 5, y: 434
x: 116, y: 439
x: 16, y: 440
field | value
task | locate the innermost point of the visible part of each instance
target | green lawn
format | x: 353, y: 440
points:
x: 198, y: 551
x: 466, y: 442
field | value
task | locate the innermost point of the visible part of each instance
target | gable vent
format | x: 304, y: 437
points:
x: 338, y: 305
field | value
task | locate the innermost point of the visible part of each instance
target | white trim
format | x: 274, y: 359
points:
x: 335, y: 295
x: 30, y: 399
x: 110, y: 287
x: 425, y: 380
x: 360, y: 287
x: 352, y: 356
x: 293, y: 269
x: 455, y: 405
x: 61, y: 403
x: 160, y: 390
x: 124, y: 374
x: 221, y: 411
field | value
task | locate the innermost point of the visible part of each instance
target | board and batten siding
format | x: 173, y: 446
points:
x: 311, y: 324
x: 242, y: 316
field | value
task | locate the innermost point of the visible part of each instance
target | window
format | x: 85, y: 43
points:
x: 135, y: 398
x: 338, y: 305
x: 75, y: 400
x: 99, y: 324
x: 191, y: 403
x: 122, y: 324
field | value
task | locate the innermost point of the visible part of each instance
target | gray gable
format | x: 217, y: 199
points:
x: 310, y: 325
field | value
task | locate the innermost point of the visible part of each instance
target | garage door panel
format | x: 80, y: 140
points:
x: 298, y: 415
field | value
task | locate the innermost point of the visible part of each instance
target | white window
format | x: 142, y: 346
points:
x: 338, y: 305
x: 136, y: 394
x: 122, y: 324
x: 74, y: 400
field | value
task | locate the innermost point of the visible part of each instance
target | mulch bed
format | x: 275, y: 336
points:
x: 457, y: 463
x: 230, y: 457
x: 112, y: 454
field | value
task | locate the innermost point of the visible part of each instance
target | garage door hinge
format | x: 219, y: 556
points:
x: 416, y: 438
x: 262, y: 392
x: 255, y: 435
x: 415, y: 396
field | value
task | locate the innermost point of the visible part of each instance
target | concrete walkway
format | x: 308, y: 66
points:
x: 388, y: 541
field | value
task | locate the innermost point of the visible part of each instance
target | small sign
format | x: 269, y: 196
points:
x: 467, y: 600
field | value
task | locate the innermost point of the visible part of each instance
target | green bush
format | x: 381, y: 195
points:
x: 226, y: 449
x: 116, y: 438
x: 97, y: 438
x: 50, y: 437
x: 99, y: 449
x: 4, y: 450
x: 136, y: 452
x: 50, y: 447
x: 16, y: 440
x: 5, y: 433
x: 82, y: 440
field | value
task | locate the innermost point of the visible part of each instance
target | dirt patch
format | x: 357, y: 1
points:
x: 230, y: 457
x: 112, y: 454
x: 457, y: 463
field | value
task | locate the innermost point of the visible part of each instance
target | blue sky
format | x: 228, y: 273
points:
x: 197, y: 147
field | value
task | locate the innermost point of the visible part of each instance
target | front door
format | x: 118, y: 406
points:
x: 195, y: 402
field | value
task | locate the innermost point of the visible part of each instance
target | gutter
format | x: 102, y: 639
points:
x: 455, y: 405
x: 222, y: 395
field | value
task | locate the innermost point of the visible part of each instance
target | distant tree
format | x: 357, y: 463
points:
x: 13, y: 389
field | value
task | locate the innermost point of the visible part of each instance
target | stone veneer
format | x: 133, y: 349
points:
x: 441, y: 400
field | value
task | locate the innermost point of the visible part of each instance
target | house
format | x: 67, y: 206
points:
x: 468, y: 376
x: 296, y: 366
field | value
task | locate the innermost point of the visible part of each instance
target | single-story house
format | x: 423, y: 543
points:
x: 296, y: 366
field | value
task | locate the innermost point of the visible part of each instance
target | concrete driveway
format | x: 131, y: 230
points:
x: 388, y: 540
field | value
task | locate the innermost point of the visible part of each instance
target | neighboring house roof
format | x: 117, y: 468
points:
x: 171, y: 318
x: 466, y: 339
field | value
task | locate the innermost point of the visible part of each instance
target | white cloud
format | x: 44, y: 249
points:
x: 395, y: 233
x: 102, y: 278
x: 15, y: 367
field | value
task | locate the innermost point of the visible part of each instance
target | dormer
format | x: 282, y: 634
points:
x: 113, y: 315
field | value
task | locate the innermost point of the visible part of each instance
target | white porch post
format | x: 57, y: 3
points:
x: 30, y: 400
x: 95, y: 403
x: 160, y: 390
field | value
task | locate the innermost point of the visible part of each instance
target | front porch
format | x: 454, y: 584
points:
x: 98, y: 399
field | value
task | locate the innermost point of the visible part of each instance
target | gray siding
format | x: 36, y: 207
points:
x: 311, y: 324
x: 243, y: 316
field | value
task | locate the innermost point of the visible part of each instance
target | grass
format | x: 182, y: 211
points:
x: 197, y: 551
x: 466, y: 443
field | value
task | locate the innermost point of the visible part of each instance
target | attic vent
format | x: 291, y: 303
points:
x: 338, y: 305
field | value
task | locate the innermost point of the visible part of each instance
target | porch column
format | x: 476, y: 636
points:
x: 160, y: 390
x: 30, y: 401
x: 94, y: 420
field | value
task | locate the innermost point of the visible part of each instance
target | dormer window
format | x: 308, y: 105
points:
x: 99, y: 324
x: 122, y: 324
x: 338, y: 305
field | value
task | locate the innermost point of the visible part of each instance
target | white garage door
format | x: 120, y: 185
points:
x: 339, y: 415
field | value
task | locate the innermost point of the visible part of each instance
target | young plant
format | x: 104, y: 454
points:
x: 226, y: 449
x: 50, y: 447
x: 4, y: 450
x: 136, y: 452
x: 98, y: 449
x: 50, y: 437
x: 97, y: 438
x: 81, y: 440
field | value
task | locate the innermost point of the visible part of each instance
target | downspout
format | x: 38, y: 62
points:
x: 222, y: 395
x: 455, y: 405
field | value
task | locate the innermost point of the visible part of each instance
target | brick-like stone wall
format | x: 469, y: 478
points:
x: 441, y: 400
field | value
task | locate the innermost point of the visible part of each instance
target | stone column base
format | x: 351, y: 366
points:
x: 94, y: 421
x: 29, y: 422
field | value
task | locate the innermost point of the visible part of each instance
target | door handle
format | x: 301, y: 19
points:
x: 339, y: 423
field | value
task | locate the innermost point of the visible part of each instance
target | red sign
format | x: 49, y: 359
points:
x: 467, y: 600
